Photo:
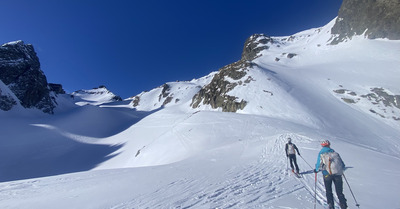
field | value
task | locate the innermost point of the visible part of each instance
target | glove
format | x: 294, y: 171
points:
x: 315, y: 171
x: 299, y: 154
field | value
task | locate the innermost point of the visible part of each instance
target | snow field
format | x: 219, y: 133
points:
x: 247, y: 170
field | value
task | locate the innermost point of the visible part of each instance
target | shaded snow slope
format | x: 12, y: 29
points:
x: 35, y: 145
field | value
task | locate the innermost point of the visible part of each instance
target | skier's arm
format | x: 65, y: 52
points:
x: 318, y: 164
x: 344, y: 166
x: 286, y: 147
x: 296, y: 149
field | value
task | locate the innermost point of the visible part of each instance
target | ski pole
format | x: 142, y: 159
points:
x: 358, y: 205
x: 315, y: 192
x: 306, y: 162
x: 287, y: 163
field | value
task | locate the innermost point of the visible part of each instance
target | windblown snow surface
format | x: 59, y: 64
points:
x: 172, y: 156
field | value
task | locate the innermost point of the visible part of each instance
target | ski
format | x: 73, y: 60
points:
x: 296, y: 174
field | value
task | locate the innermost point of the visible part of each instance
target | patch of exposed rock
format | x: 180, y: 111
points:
x: 165, y: 93
x: 216, y: 94
x: 6, y: 101
x: 382, y: 103
x: 165, y: 96
x: 254, y: 45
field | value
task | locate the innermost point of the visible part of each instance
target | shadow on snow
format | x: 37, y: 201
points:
x: 31, y: 151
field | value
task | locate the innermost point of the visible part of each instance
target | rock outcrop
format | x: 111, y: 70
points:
x: 254, y: 45
x: 216, y: 93
x: 56, y: 88
x: 20, y: 72
x: 375, y: 18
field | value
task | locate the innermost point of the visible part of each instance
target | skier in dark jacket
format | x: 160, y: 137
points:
x: 290, y: 150
x: 331, y: 174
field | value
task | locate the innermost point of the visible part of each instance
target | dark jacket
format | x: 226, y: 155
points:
x: 294, y: 149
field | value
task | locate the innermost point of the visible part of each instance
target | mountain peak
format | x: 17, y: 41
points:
x: 20, y: 72
x: 96, y: 96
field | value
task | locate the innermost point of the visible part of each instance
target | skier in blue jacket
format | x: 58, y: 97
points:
x: 330, y: 177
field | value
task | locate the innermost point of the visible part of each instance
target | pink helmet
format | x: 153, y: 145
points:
x: 325, y: 143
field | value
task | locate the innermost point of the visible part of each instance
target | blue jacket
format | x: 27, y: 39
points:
x: 323, y: 150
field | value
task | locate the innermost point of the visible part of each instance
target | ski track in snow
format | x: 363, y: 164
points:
x: 255, y: 185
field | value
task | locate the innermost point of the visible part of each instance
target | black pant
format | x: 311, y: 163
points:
x: 337, y: 179
x: 292, y: 158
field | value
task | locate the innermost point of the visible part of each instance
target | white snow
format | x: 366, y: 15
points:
x: 13, y: 43
x: 110, y: 155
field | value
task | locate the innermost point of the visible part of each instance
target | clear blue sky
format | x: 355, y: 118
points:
x: 133, y: 46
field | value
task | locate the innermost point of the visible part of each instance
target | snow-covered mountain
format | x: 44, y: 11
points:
x: 95, y: 96
x: 285, y: 78
x: 218, y: 141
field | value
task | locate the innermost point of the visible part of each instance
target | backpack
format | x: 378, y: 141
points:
x: 333, y: 163
x: 290, y: 149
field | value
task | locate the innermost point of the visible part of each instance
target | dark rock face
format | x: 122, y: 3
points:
x: 377, y: 18
x: 255, y: 44
x: 6, y: 101
x: 166, y: 93
x: 20, y: 71
x: 56, y: 88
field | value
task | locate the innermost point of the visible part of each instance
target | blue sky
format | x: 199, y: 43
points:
x: 134, y: 46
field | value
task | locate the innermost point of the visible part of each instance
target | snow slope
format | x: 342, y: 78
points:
x: 150, y: 153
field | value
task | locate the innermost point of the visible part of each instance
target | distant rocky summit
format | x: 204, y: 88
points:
x: 20, y: 72
x: 375, y: 18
